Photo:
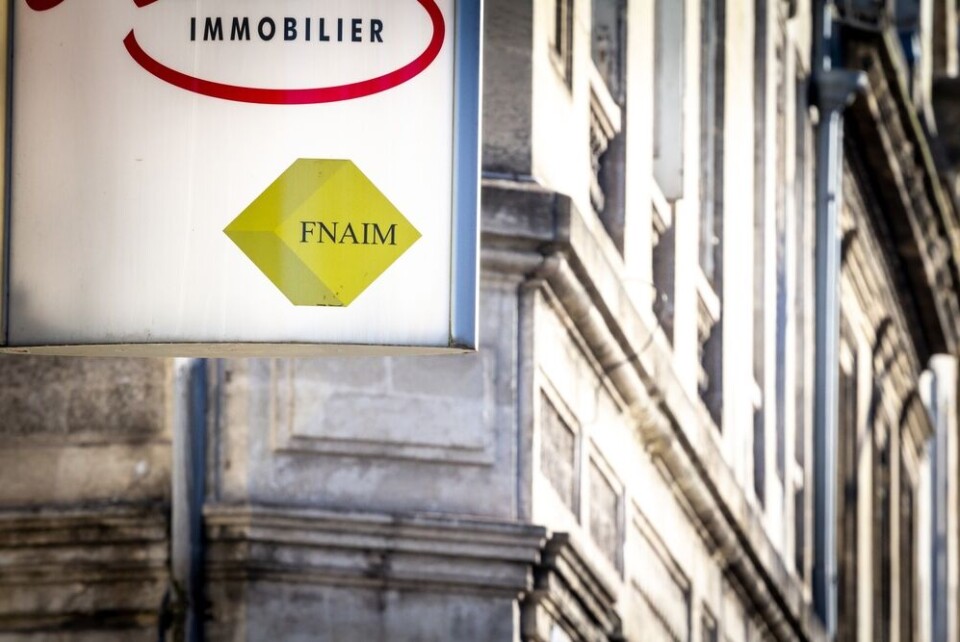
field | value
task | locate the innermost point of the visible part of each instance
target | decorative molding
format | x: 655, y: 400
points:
x: 922, y: 221
x: 459, y: 446
x: 251, y: 543
x: 83, y: 570
x: 872, y: 281
x: 569, y: 595
x: 585, y: 278
x: 658, y: 580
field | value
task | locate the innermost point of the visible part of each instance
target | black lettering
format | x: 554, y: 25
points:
x: 264, y: 35
x: 391, y: 234
x: 213, y: 29
x: 326, y: 230
x: 289, y: 29
x: 348, y: 232
x: 240, y: 29
x: 292, y: 28
x: 304, y: 231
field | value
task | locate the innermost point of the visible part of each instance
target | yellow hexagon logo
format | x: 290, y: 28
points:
x: 322, y: 232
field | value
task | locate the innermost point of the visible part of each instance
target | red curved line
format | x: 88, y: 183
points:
x: 42, y: 5
x: 296, y: 96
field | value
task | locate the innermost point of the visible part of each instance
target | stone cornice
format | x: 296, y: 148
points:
x: 96, y: 567
x: 554, y: 244
x: 568, y: 592
x: 415, y: 552
x: 921, y: 220
x: 886, y: 325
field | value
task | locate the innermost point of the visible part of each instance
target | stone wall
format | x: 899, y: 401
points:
x: 84, y: 490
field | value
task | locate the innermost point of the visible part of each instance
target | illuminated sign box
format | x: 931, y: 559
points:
x: 242, y: 177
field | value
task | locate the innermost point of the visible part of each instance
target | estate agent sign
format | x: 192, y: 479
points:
x: 242, y: 176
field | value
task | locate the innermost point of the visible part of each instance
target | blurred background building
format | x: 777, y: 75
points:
x: 716, y: 397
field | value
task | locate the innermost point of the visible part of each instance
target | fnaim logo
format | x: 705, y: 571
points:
x: 282, y: 28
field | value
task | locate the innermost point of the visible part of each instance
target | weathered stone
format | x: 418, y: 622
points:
x: 121, y: 398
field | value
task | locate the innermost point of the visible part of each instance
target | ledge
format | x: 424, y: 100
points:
x: 82, y: 570
x: 920, y: 216
x: 250, y: 543
x: 569, y: 593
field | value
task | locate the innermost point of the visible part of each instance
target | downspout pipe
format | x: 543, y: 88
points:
x: 834, y: 89
x: 187, y: 493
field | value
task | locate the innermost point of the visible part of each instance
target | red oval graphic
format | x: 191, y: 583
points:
x: 43, y: 5
x: 288, y: 96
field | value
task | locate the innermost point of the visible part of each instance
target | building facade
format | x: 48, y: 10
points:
x: 716, y: 396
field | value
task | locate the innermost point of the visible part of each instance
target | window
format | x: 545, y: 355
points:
x: 712, y: 65
x: 802, y: 313
x: 847, y: 531
x: 609, y: 45
x: 711, y: 363
x: 803, y: 293
x: 800, y: 522
x: 608, y: 95
x: 663, y: 256
x: 782, y: 259
x: 945, y: 49
x: 882, y: 536
x: 908, y: 552
x: 759, y: 455
x: 760, y: 250
x: 784, y: 250
x: 668, y: 124
x: 561, y: 41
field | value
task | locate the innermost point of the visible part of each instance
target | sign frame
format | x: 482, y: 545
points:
x: 464, y: 241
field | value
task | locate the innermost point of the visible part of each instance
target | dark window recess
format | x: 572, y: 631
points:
x: 711, y: 379
x: 663, y: 277
x: 712, y: 65
x: 562, y: 44
x: 609, y: 46
x: 759, y: 457
x: 760, y: 250
x: 608, y: 141
x: 799, y: 532
x: 608, y: 180
x: 908, y: 580
x: 713, y: 60
x: 782, y: 253
x: 803, y: 266
x: 881, y: 543
x: 847, y: 533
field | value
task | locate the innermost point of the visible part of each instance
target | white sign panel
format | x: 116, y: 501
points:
x: 243, y: 176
